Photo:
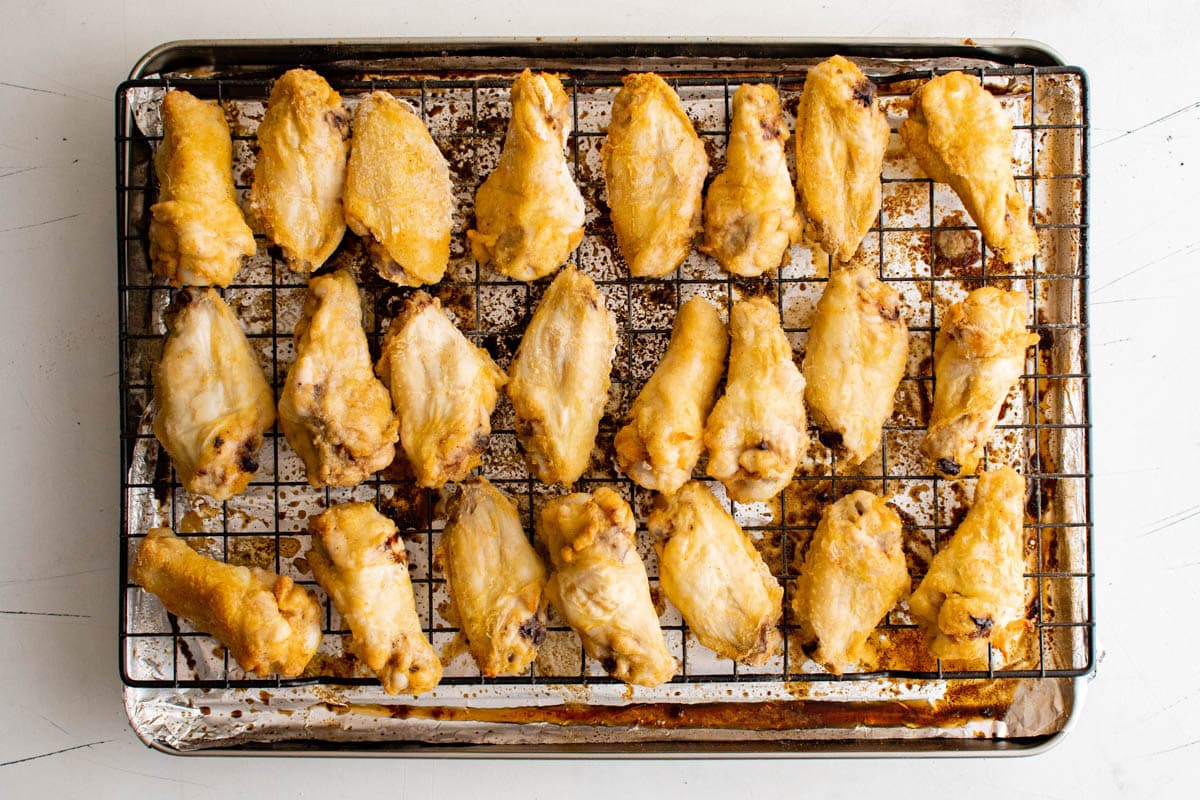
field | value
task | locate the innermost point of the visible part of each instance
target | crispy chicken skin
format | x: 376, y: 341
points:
x: 358, y: 557
x: 978, y: 355
x: 599, y: 585
x: 398, y: 197
x: 213, y: 401
x: 301, y: 169
x: 494, y: 578
x: 198, y: 235
x: 444, y: 389
x: 558, y: 381
x: 854, y: 573
x: 960, y: 135
x: 529, y: 213
x: 756, y: 433
x: 841, y: 137
x: 856, y: 354
x: 975, y: 587
x: 654, y: 170
x: 664, y: 435
x: 335, y: 413
x: 750, y: 213
x: 711, y: 572
x: 269, y: 624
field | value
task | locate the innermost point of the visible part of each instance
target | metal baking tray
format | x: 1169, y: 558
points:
x: 184, y: 695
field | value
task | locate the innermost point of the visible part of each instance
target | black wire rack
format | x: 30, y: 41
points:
x: 1044, y: 430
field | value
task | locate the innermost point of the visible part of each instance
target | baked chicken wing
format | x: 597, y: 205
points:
x: 494, y: 578
x: 654, y: 170
x: 529, y: 213
x: 750, y: 212
x: 358, y: 557
x: 756, y: 433
x: 978, y: 355
x: 960, y: 135
x: 841, y: 137
x: 664, y: 436
x: 599, y: 585
x: 558, y: 381
x: 213, y: 401
x: 398, y: 197
x: 856, y: 354
x: 269, y: 624
x: 444, y: 389
x: 711, y: 572
x: 198, y: 235
x: 301, y: 169
x: 336, y: 415
x: 854, y: 573
x: 975, y: 587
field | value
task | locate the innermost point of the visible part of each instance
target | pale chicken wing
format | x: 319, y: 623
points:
x: 529, y: 212
x: 711, y: 572
x: 213, y: 401
x: 599, y: 585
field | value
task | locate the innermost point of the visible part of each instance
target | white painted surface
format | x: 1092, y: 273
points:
x: 1138, y: 734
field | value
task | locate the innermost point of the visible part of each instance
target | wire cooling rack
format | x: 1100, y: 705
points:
x: 923, y: 243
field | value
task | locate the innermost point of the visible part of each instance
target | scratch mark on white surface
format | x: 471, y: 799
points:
x: 54, y: 753
x: 1184, y: 566
x: 1156, y: 752
x: 46, y: 614
x: 14, y: 581
x: 19, y: 172
x: 1187, y: 248
x: 1152, y: 122
x: 32, y: 89
x: 1126, y: 300
x: 39, y: 224
x: 1186, y: 515
x: 168, y: 778
x: 1115, y: 341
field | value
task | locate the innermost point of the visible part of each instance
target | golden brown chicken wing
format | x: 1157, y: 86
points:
x: 854, y: 573
x: 841, y: 138
x: 599, y: 585
x: 756, y: 433
x: 978, y: 355
x: 213, y: 401
x: 269, y: 624
x: 494, y: 578
x: 654, y: 170
x: 529, y: 213
x: 856, y: 354
x: 336, y: 415
x: 398, y: 197
x: 558, y: 381
x: 750, y: 213
x: 974, y: 591
x: 664, y: 436
x: 960, y: 135
x: 444, y: 389
x: 301, y: 169
x: 197, y: 233
x: 713, y: 574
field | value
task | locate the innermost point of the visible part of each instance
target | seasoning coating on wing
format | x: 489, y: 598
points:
x: 213, y: 401
x: 443, y: 388
x: 856, y: 354
x: 529, y: 213
x: 494, y: 578
x: 711, y: 572
x: 654, y: 170
x: 854, y: 573
x: 841, y: 138
x: 599, y: 585
x: 664, y: 436
x: 398, y: 197
x: 960, y: 135
x: 756, y: 433
x: 558, y: 381
x: 975, y: 586
x: 336, y: 415
x: 750, y: 212
x: 301, y: 169
x: 269, y: 624
x: 978, y: 355
x: 198, y: 235
x: 358, y: 557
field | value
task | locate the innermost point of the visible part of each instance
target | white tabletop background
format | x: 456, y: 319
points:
x: 62, y: 727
